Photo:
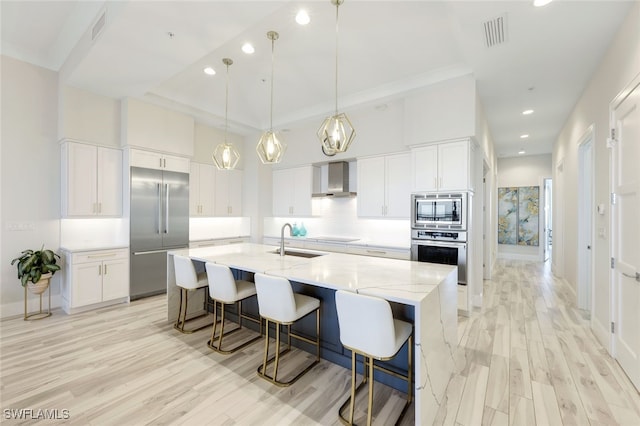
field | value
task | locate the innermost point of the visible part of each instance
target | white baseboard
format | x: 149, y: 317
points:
x: 16, y: 309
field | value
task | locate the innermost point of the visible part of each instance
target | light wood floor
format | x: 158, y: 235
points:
x: 527, y: 358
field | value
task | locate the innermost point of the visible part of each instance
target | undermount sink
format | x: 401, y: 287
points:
x: 307, y: 254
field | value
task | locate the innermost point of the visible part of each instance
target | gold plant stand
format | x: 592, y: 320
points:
x: 40, y: 314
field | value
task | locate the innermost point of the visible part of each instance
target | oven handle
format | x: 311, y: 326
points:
x: 437, y: 243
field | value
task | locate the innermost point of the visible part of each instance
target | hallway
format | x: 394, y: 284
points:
x: 530, y: 358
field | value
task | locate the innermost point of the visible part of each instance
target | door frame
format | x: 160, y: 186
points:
x: 586, y: 186
x: 613, y: 241
x: 557, y: 254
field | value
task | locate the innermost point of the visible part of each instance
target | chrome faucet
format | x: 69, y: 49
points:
x: 282, y: 237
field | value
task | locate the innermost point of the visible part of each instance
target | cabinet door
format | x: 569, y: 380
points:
x: 175, y: 164
x: 398, y: 186
x: 371, y: 183
x: 235, y: 192
x: 302, y: 181
x: 425, y: 168
x: 194, y: 190
x: 281, y: 191
x: 109, y: 183
x: 207, y: 188
x: 81, y: 180
x: 453, y: 166
x: 115, y: 279
x: 86, y: 284
x: 228, y: 193
x: 146, y: 159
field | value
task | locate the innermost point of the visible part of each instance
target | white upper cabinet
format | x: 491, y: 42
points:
x: 228, y: 192
x: 202, y: 180
x: 384, y: 186
x: 158, y: 161
x: 214, y: 192
x: 292, y: 189
x: 441, y: 167
x: 91, y: 180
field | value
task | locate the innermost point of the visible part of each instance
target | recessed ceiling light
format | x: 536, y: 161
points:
x: 522, y: 151
x: 540, y: 3
x: 209, y: 71
x: 527, y: 112
x: 524, y: 136
x: 248, y: 48
x: 302, y: 17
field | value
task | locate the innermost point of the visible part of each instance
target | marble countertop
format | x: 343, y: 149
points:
x: 395, y: 280
x: 356, y: 242
x: 81, y: 248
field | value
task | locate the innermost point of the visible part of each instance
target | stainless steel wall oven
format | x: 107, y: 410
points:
x: 439, y: 230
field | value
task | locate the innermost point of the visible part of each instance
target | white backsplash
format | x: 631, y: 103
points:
x: 90, y: 233
x: 338, y: 217
x: 207, y: 228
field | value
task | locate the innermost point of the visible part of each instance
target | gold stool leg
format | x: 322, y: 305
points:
x: 177, y: 324
x: 266, y: 347
x: 370, y: 413
x: 275, y: 365
x: 221, y: 326
x: 353, y: 386
x: 215, y: 321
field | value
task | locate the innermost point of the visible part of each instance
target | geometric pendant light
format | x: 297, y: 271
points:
x: 336, y: 132
x: 225, y: 156
x: 271, y: 147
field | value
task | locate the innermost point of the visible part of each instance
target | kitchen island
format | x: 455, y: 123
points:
x: 428, y: 291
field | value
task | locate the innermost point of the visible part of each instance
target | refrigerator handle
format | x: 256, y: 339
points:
x: 166, y: 216
x: 159, y: 208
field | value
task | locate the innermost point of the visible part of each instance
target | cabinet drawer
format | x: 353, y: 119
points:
x: 380, y: 252
x: 98, y: 256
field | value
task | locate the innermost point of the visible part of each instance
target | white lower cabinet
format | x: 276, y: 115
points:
x: 93, y: 279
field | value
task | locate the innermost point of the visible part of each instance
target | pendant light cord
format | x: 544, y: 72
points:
x: 337, y: 8
x: 272, y: 61
x: 226, y: 106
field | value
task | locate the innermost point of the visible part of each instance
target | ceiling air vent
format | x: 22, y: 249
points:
x: 495, y: 31
x: 99, y: 25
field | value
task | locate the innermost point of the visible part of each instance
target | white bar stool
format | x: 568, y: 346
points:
x: 226, y: 290
x: 279, y: 304
x: 188, y: 280
x: 367, y: 327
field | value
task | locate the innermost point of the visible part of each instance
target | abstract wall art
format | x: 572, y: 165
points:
x: 518, y: 215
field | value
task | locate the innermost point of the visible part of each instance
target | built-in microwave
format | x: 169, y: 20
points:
x: 439, y: 210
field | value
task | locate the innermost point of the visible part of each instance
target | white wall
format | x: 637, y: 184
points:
x: 88, y: 117
x: 525, y: 171
x: 619, y: 66
x: 206, y: 138
x: 30, y: 173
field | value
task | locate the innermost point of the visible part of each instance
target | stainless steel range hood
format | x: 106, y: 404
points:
x: 338, y: 181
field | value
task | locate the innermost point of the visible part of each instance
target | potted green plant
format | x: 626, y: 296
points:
x: 36, y: 268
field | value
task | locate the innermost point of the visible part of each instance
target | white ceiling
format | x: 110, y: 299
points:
x: 386, y: 48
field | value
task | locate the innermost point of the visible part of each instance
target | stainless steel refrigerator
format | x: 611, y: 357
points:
x: 159, y: 222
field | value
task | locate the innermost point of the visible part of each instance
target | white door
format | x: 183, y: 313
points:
x: 585, y: 221
x: 625, y: 120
